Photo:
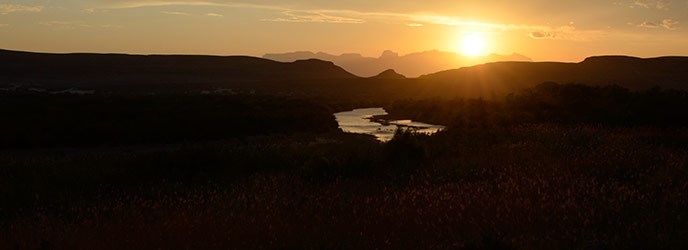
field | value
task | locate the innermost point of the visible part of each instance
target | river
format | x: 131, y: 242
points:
x: 358, y: 121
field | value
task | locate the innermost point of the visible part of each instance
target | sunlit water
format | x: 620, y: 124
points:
x: 357, y: 121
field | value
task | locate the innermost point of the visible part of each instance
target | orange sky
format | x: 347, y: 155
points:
x: 543, y: 30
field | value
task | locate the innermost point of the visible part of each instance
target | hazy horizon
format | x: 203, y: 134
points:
x: 566, y: 31
x: 371, y: 56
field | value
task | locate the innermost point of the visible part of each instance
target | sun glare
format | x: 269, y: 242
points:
x: 473, y: 44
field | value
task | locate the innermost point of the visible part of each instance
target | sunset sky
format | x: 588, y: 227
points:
x: 544, y: 30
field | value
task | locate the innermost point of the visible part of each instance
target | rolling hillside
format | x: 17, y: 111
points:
x: 92, y: 70
x: 118, y: 73
x: 504, y: 77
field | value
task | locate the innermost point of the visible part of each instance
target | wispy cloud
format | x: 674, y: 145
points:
x: 313, y: 17
x: 669, y: 24
x: 454, y: 21
x: 344, y: 16
x: 10, y: 8
x: 656, y: 4
x: 648, y: 24
x: 542, y: 35
x: 157, y: 3
x: 565, y: 32
x: 178, y: 13
x: 76, y: 24
x: 666, y: 23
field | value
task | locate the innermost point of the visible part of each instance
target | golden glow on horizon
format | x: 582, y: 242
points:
x: 568, y: 31
x: 472, y: 44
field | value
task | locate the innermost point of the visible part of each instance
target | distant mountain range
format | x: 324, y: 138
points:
x: 411, y: 65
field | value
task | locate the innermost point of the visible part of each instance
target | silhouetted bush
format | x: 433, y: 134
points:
x: 405, y: 147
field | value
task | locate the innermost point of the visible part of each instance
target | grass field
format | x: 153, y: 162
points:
x: 532, y: 186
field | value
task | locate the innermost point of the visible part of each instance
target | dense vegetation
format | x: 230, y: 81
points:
x: 555, y: 167
x: 557, y: 103
x: 44, y: 120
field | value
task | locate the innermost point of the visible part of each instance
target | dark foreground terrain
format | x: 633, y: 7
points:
x: 553, y: 166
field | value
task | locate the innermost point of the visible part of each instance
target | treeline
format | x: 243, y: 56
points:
x: 551, y: 102
x: 43, y: 120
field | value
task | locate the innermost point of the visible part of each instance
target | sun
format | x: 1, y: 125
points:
x: 472, y: 45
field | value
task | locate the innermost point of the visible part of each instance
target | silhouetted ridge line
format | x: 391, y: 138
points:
x: 413, y: 65
x: 88, y: 68
x: 501, y: 78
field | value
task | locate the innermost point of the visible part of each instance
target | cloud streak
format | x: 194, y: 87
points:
x: 669, y: 24
x: 179, y: 13
x: 76, y: 24
x: 11, y: 8
x: 666, y: 23
x: 176, y: 13
x: 154, y: 3
x: 656, y: 4
x: 648, y: 24
x: 313, y: 17
x: 564, y: 32
x: 301, y: 14
x: 542, y: 35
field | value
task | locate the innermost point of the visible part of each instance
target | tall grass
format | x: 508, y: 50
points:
x: 538, y: 186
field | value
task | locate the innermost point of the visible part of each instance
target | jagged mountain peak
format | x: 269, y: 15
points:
x: 413, y: 64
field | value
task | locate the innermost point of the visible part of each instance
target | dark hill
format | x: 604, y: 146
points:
x: 494, y: 79
x: 116, y: 69
x: 389, y: 74
x: 147, y: 74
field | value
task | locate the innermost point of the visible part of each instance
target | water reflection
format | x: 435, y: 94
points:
x: 358, y: 121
